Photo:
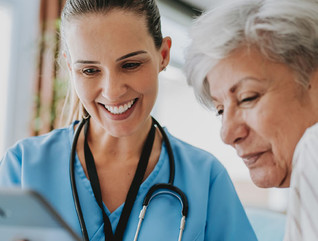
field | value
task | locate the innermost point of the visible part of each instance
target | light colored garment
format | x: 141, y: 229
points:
x: 215, y: 212
x: 269, y: 225
x: 302, y: 223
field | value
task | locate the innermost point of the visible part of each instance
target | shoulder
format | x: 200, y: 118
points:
x: 57, y: 137
x: 311, y: 134
x: 303, y: 194
x: 40, y: 145
x: 34, y: 154
x: 305, y: 163
x: 306, y: 148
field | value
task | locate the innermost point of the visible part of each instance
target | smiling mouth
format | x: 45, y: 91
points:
x: 120, y: 109
x: 251, y: 159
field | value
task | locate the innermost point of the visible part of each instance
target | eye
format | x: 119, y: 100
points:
x: 90, y: 71
x: 251, y: 98
x: 131, y: 66
x: 248, y: 99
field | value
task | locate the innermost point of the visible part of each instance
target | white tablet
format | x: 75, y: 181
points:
x: 25, y: 215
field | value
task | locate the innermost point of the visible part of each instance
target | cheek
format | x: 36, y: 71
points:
x: 148, y: 82
x: 84, y: 92
x: 282, y: 132
x: 271, y: 130
x: 275, y: 136
x: 269, y: 124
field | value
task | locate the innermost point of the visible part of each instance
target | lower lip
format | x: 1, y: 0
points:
x: 122, y: 116
x: 250, y: 162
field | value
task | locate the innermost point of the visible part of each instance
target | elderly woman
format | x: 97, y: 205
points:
x: 255, y: 62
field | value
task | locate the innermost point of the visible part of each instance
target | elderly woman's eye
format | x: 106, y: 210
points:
x: 249, y: 99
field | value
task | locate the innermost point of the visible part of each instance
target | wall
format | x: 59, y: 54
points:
x: 21, y: 66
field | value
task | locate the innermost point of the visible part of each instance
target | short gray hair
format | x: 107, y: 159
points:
x: 285, y: 31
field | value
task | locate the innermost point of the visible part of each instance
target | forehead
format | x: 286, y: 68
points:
x: 249, y: 71
x: 243, y: 64
x: 114, y: 30
x: 241, y: 60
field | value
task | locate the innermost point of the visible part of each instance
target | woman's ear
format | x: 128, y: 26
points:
x: 165, y: 52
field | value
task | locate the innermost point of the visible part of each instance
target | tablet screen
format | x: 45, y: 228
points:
x: 25, y: 215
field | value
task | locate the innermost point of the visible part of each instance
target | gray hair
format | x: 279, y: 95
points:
x: 285, y: 31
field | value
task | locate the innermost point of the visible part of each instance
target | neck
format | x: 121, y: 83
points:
x: 113, y: 148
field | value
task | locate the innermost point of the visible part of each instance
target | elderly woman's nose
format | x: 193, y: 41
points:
x: 233, y: 128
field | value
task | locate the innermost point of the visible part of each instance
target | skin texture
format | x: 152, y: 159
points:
x: 264, y: 113
x: 113, y: 61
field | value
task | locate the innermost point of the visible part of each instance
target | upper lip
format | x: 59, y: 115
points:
x: 119, y: 104
x: 250, y: 158
x: 251, y: 155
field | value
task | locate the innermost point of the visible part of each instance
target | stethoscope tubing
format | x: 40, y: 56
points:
x: 169, y: 150
x: 154, y: 191
x: 166, y: 189
x: 73, y: 182
x: 173, y: 190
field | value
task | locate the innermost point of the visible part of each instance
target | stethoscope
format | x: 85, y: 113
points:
x: 154, y: 191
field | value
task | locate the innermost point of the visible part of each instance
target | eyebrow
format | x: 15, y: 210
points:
x: 238, y: 85
x: 119, y: 59
x: 131, y: 54
x: 240, y: 82
x: 86, y: 62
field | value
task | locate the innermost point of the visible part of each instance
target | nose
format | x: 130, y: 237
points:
x: 113, y: 86
x: 234, y: 128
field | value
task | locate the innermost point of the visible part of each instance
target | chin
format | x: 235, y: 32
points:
x: 263, y: 184
x: 264, y: 181
x: 270, y: 177
x: 267, y: 182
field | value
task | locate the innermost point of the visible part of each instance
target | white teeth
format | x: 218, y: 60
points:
x: 119, y: 109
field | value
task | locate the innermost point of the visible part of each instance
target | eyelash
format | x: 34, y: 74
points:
x: 245, y: 100
x: 131, y: 66
x: 126, y: 66
x: 249, y: 99
x: 90, y: 71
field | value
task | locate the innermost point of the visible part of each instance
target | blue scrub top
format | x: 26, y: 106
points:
x: 215, y: 212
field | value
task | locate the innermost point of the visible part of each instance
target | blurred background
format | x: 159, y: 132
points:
x: 32, y: 88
